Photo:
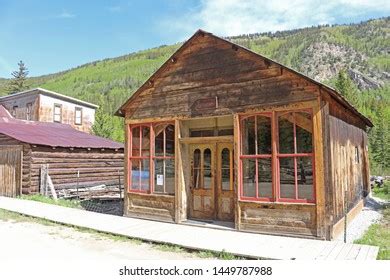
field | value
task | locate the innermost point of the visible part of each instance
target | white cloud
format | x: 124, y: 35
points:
x: 65, y: 14
x: 232, y: 17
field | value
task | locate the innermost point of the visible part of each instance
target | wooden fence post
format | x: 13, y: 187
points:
x: 43, y: 179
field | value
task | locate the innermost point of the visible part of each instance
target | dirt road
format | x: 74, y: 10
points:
x: 36, y: 240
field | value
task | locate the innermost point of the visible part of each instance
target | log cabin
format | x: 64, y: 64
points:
x: 73, y: 157
x: 220, y: 135
x: 44, y: 105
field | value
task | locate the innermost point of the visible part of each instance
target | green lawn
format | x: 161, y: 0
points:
x: 379, y: 234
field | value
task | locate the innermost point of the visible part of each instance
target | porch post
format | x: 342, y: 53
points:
x: 237, y: 171
x: 179, y: 178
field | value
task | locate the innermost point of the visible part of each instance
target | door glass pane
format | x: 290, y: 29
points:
x: 159, y: 140
x: 305, y: 178
x: 264, y: 178
x: 170, y: 141
x: 207, y: 169
x: 249, y: 177
x: 287, y: 178
x: 286, y: 133
x: 170, y: 176
x: 263, y: 135
x: 145, y: 174
x: 196, y: 169
x: 248, y: 136
x: 135, y: 174
x: 145, y: 140
x: 135, y: 141
x: 304, y: 132
x: 225, y: 169
x: 159, y: 177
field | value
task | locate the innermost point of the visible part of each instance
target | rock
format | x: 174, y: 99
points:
x: 362, y: 81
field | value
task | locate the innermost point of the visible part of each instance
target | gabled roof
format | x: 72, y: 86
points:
x: 332, y: 92
x: 51, y: 134
x: 49, y: 93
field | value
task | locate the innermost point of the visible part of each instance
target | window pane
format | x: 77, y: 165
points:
x: 170, y: 141
x: 304, y: 129
x: 159, y: 140
x: 248, y: 136
x: 196, y: 169
x: 225, y: 169
x: 305, y: 178
x: 135, y: 174
x: 207, y: 169
x: 264, y: 178
x: 145, y: 174
x: 248, y: 175
x: 159, y: 175
x: 287, y: 178
x: 145, y: 141
x: 170, y: 176
x: 286, y: 133
x: 135, y: 141
x: 263, y: 135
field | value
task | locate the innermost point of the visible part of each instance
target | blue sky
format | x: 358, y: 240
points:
x: 51, y: 36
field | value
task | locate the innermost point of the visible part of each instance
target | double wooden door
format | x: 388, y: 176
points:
x: 212, y: 184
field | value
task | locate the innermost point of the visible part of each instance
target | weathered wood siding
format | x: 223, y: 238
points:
x: 21, y: 103
x: 46, y: 112
x: 10, y: 170
x: 278, y: 218
x: 210, y: 77
x: 158, y: 207
x: 26, y: 162
x: 95, y: 166
x: 347, y: 172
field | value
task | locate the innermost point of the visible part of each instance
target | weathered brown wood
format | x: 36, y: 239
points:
x: 11, y: 158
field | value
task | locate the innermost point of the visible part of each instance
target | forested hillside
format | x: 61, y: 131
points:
x: 320, y: 52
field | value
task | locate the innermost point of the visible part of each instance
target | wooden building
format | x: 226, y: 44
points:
x: 27, y: 145
x: 43, y: 105
x: 220, y: 134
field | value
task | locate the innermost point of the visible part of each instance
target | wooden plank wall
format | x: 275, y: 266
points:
x: 210, y: 69
x: 95, y: 166
x: 346, y: 173
x: 26, y: 162
x: 10, y: 170
x: 157, y: 207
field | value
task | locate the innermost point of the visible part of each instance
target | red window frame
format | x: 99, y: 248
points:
x: 151, y: 157
x: 255, y: 156
x: 294, y: 155
x: 275, y: 162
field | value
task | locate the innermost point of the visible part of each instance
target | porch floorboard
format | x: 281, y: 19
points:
x: 195, y: 237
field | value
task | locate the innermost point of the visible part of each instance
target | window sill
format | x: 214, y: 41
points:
x: 278, y: 202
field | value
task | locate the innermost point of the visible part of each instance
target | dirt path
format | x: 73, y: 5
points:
x: 52, y: 241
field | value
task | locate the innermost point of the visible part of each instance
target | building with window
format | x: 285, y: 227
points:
x: 222, y: 135
x: 48, y: 106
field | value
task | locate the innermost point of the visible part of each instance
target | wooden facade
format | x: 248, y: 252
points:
x: 220, y: 133
x: 48, y: 106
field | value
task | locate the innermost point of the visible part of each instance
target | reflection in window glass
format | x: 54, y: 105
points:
x: 170, y: 176
x: 249, y: 177
x: 207, y: 174
x: 248, y: 137
x: 305, y: 178
x: 135, y: 174
x: 135, y: 141
x: 170, y: 140
x: 159, y: 175
x: 145, y: 134
x: 263, y: 135
x: 145, y: 174
x: 225, y: 169
x: 159, y: 140
x: 264, y: 178
x: 286, y: 133
x: 196, y: 169
x: 303, y: 132
x: 287, y: 177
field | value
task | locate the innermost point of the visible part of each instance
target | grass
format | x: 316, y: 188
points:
x: 59, y: 202
x: 382, y: 192
x: 379, y: 235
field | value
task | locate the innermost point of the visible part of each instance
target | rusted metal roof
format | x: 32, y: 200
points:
x: 51, y: 134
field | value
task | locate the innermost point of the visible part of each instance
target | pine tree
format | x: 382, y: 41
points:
x: 103, y: 125
x: 18, y: 82
x: 347, y: 88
